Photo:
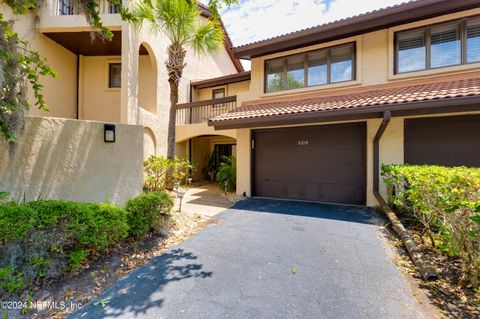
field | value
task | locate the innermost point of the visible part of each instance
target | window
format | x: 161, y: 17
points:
x: 411, y: 51
x: 320, y: 67
x: 473, y: 40
x: 112, y: 9
x: 115, y: 75
x: 65, y: 7
x: 445, y: 47
x: 218, y: 94
x: 438, y: 46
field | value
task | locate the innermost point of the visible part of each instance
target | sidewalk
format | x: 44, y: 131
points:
x: 205, y: 200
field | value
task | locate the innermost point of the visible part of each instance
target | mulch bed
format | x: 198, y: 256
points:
x: 93, y: 279
x: 448, y: 293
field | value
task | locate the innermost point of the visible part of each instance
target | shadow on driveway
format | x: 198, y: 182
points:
x: 144, y: 286
x: 353, y: 214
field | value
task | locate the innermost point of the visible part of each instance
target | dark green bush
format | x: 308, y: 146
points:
x: 43, y: 239
x: 147, y: 210
x: 446, y: 201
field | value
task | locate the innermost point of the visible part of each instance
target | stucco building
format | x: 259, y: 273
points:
x: 122, y: 82
x: 324, y: 107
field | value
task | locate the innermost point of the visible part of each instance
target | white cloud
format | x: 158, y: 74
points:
x: 255, y: 20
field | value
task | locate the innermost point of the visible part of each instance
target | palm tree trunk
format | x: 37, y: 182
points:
x: 172, y: 120
x: 175, y: 66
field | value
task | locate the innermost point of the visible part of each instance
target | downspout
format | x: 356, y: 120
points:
x: 78, y: 87
x: 425, y: 268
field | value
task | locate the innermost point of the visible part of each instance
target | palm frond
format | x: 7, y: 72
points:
x: 208, y: 37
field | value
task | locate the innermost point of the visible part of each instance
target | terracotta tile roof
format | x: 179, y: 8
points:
x: 356, y: 98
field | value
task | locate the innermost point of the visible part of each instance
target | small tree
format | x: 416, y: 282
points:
x: 180, y: 21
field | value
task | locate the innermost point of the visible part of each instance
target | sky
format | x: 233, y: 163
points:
x: 255, y: 20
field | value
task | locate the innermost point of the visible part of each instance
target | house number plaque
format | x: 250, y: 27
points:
x: 302, y: 143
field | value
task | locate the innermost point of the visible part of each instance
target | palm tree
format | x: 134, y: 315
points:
x: 181, y: 22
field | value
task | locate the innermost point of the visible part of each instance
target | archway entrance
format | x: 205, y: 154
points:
x: 147, y: 79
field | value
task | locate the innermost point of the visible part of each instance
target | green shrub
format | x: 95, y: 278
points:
x: 76, y: 258
x: 43, y: 239
x: 147, y: 210
x: 227, y: 173
x: 446, y: 202
x: 156, y: 172
x: 98, y: 226
x: 10, y: 280
x: 15, y: 221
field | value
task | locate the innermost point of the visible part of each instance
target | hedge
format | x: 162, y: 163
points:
x: 45, y: 239
x: 446, y: 202
x: 147, y: 210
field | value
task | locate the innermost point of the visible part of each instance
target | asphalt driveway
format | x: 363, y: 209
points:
x: 270, y: 259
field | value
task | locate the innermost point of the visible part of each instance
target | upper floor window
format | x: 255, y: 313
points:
x: 65, y: 7
x: 319, y: 67
x: 437, y: 46
x: 113, y: 9
x: 218, y: 94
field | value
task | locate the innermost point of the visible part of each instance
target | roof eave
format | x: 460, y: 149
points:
x: 437, y: 106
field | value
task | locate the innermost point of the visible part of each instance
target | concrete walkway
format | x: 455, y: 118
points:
x: 270, y: 259
x: 206, y: 200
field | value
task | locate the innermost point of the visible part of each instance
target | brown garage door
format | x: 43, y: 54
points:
x: 448, y: 141
x: 320, y: 163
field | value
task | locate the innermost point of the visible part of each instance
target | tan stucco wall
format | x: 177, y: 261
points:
x: 185, y: 132
x: 231, y: 89
x: 60, y: 93
x: 68, y: 159
x: 98, y: 101
x: 147, y: 88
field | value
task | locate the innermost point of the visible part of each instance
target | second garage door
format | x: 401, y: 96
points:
x: 321, y: 163
x: 447, y: 141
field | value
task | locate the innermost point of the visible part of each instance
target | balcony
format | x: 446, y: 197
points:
x: 201, y: 111
x: 70, y: 7
x: 64, y: 15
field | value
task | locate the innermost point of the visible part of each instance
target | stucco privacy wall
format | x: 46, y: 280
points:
x: 68, y: 159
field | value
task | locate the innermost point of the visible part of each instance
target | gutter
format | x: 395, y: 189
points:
x: 425, y: 269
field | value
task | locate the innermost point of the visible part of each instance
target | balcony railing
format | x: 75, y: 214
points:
x: 201, y: 111
x: 70, y: 7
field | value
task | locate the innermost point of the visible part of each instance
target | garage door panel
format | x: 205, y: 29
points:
x: 321, y: 163
x: 448, y: 141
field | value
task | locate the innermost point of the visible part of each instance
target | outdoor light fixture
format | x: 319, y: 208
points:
x: 176, y: 185
x: 225, y: 187
x: 181, y: 193
x: 109, y: 133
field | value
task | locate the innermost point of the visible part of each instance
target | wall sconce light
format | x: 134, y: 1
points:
x: 109, y: 133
